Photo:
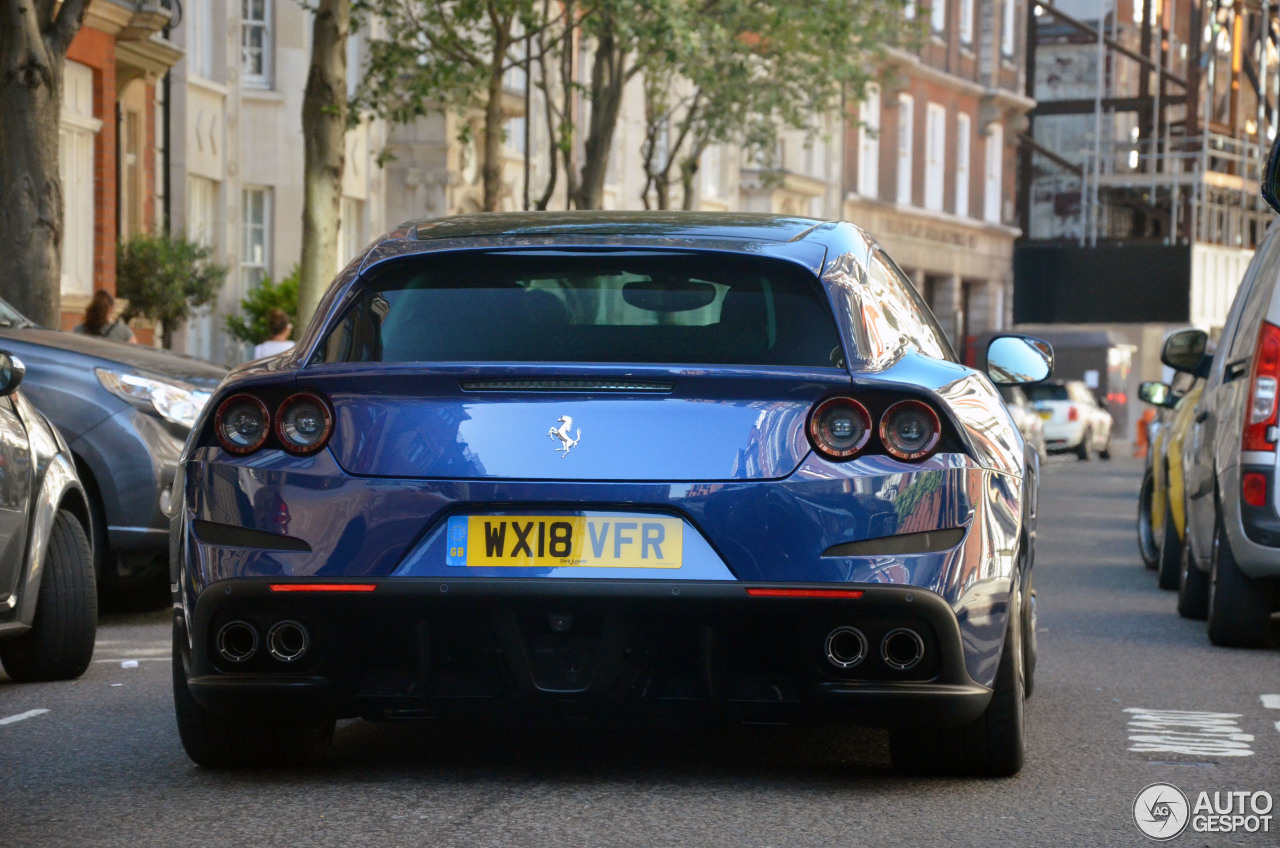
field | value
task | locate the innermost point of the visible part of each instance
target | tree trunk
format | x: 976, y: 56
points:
x: 491, y: 164
x: 324, y: 127
x: 33, y: 47
x: 608, y: 79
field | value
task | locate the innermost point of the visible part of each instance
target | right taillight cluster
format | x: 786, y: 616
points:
x: 302, y: 423
x: 841, y: 428
x: 1260, y: 414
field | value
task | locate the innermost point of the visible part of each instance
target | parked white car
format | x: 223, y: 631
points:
x: 1074, y: 422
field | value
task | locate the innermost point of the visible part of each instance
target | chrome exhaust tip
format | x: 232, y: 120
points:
x: 902, y: 649
x: 237, y: 641
x: 288, y: 641
x: 846, y: 647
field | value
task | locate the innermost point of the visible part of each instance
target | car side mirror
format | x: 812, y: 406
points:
x: 1018, y: 360
x: 1157, y: 394
x: 11, y: 373
x: 1271, y: 178
x: 1185, y: 351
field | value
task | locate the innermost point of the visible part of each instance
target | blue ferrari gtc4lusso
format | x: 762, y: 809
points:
x: 615, y: 463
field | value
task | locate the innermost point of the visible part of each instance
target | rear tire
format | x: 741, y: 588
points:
x: 1170, y: 551
x: 59, y: 644
x: 1193, y: 587
x: 1147, y: 548
x: 993, y: 745
x: 1239, y: 607
x: 216, y: 741
x: 1082, y: 450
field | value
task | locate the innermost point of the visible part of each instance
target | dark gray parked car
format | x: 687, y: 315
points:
x: 48, y: 606
x: 125, y: 411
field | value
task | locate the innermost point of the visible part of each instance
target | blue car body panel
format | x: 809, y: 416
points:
x: 413, y: 447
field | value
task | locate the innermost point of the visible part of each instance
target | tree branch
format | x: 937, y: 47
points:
x: 63, y: 29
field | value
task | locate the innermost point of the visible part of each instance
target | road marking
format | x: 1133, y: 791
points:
x: 1194, y: 733
x: 20, y: 716
x: 135, y: 659
x: 1271, y: 702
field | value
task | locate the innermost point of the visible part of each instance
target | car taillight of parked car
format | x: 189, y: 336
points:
x: 840, y: 428
x: 302, y: 424
x: 1260, y: 423
x: 1073, y: 413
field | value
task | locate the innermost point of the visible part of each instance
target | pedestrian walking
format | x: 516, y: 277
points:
x: 281, y: 328
x: 100, y: 319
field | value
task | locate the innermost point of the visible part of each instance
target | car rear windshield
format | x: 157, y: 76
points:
x: 1046, y: 391
x: 557, y: 306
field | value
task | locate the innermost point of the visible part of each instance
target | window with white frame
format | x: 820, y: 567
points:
x: 76, y: 130
x: 255, y: 43
x: 711, y: 167
x: 202, y: 210
x: 1007, y: 25
x: 965, y: 26
x: 906, y: 138
x: 351, y: 237
x: 935, y: 153
x: 963, y: 128
x: 993, y: 178
x: 938, y: 15
x: 869, y: 144
x: 255, y: 228
x: 199, y: 35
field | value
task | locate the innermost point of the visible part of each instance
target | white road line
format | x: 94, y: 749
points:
x: 20, y: 716
x: 136, y: 659
x: 1192, y: 733
x: 1271, y: 702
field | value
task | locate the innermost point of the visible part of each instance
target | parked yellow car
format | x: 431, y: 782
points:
x: 1163, y: 505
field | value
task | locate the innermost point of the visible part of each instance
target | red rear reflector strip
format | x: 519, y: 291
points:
x: 1255, y: 489
x: 323, y: 587
x: 805, y: 593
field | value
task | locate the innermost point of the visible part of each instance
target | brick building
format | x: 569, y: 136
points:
x: 930, y: 160
x: 108, y: 141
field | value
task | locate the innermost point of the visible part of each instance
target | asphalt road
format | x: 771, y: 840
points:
x: 103, y: 766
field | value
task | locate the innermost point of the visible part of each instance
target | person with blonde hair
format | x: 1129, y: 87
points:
x: 100, y: 319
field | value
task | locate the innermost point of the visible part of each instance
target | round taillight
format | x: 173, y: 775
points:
x: 242, y: 424
x: 910, y: 429
x: 839, y: 427
x: 303, y: 423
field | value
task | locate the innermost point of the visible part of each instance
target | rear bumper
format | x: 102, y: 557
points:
x: 428, y: 647
x: 1254, y: 531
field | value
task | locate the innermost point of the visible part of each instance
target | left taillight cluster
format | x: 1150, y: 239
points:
x: 302, y: 423
x: 841, y: 428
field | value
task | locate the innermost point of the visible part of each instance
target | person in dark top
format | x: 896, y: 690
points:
x: 100, y: 319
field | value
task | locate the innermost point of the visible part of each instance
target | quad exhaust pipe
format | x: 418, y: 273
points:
x: 237, y: 641
x: 288, y: 641
x: 902, y: 649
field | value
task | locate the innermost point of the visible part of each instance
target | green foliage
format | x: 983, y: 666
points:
x: 252, y: 327
x: 165, y: 277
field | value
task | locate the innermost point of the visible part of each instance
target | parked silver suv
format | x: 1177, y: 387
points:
x: 1231, y: 559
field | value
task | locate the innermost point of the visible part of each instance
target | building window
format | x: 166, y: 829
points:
x: 202, y: 210
x: 255, y: 42
x: 938, y: 15
x: 76, y: 130
x: 963, y: 128
x: 712, y: 169
x: 965, y: 27
x: 350, y: 231
x: 994, y: 176
x: 906, y: 137
x: 909, y: 11
x: 255, y: 227
x: 935, y: 152
x: 199, y: 34
x: 1007, y: 27
x: 869, y: 144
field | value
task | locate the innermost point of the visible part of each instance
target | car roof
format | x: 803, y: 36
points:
x: 711, y: 225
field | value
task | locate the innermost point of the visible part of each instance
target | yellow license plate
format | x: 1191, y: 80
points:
x: 569, y: 541
x: 1046, y: 414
